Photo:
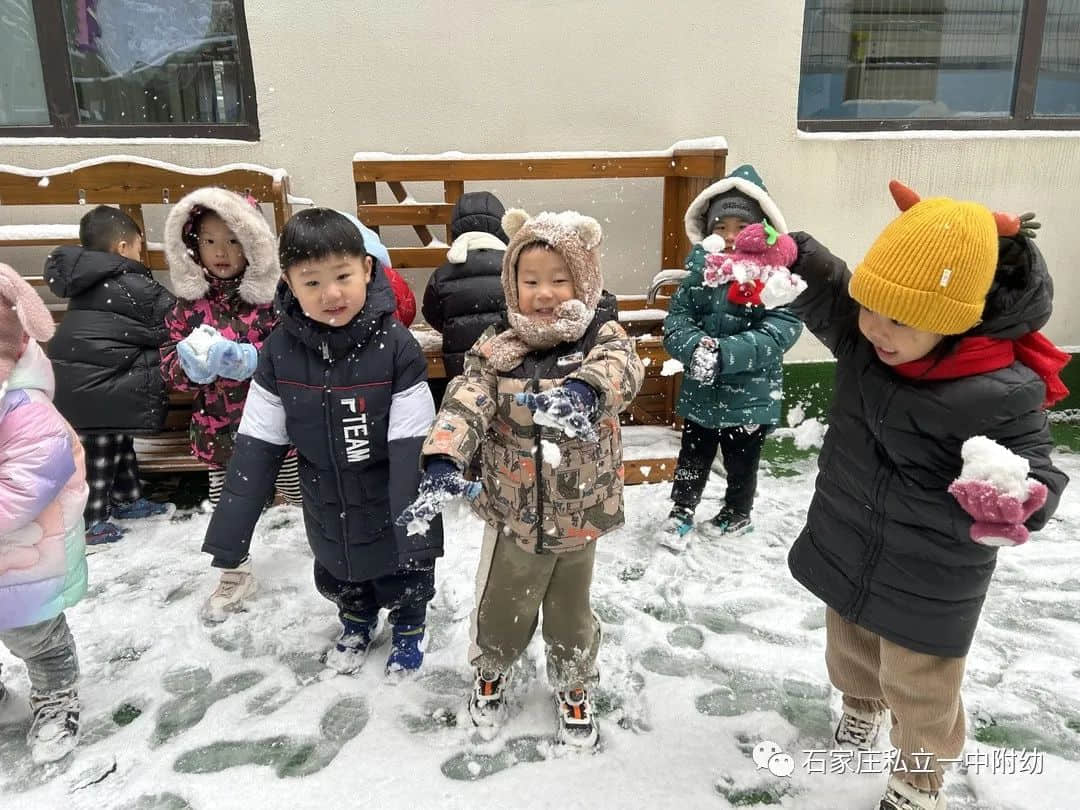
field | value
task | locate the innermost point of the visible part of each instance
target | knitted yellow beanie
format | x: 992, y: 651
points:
x: 932, y: 267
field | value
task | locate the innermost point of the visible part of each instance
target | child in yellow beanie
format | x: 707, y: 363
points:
x: 937, y: 453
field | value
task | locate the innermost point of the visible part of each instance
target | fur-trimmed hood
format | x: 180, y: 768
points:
x: 189, y: 281
x: 698, y: 210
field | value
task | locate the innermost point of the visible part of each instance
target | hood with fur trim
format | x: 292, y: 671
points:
x: 189, y: 281
x: 698, y: 210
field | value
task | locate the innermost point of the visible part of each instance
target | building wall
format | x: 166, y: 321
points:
x: 334, y: 77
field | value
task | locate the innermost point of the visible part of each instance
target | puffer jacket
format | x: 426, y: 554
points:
x: 42, y: 496
x: 546, y: 504
x: 885, y: 544
x: 241, y: 309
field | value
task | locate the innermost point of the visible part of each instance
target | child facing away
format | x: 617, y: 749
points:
x: 934, y: 347
x: 345, y: 382
x: 541, y: 402
x: 732, y: 351
x: 106, y: 357
x: 42, y: 496
x: 224, y: 268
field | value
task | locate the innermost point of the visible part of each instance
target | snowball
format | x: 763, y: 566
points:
x: 43, y: 182
x: 795, y: 415
x: 810, y: 433
x: 714, y: 243
x: 202, y: 339
x: 782, y: 288
x: 552, y: 453
x: 671, y: 368
x: 986, y: 460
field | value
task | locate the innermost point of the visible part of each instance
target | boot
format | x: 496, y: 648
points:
x: 141, y: 508
x: 351, y: 648
x: 675, y: 530
x: 405, y: 652
x: 577, y: 724
x: 487, y: 702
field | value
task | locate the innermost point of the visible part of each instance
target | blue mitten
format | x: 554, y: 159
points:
x: 442, y: 482
x: 232, y: 360
x: 196, y: 369
x: 570, y: 408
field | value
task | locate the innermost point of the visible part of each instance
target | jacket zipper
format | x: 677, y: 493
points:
x: 328, y: 406
x: 539, y: 448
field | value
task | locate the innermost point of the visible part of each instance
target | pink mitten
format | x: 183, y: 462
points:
x: 999, y: 518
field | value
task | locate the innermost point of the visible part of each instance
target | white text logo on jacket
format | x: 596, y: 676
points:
x: 355, y: 430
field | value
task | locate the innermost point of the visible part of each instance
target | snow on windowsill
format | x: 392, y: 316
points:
x: 629, y: 315
x: 277, y: 174
x: 713, y: 142
x: 937, y: 135
x: 55, y: 140
x: 11, y: 233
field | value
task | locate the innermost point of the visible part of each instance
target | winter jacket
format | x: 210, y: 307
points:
x: 753, y: 340
x: 42, y: 496
x: 106, y: 350
x: 545, y: 504
x: 885, y: 544
x: 464, y: 297
x: 240, y: 309
x: 355, y: 402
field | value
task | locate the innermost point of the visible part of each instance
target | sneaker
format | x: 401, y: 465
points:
x: 236, y: 585
x: 728, y: 522
x: 405, y: 652
x: 140, y: 508
x: 55, y: 729
x: 487, y: 703
x: 577, y: 727
x: 899, y: 795
x: 351, y: 648
x: 673, y: 533
x: 859, y: 729
x: 103, y: 533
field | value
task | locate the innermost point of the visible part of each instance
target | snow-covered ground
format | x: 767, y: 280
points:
x: 704, y: 656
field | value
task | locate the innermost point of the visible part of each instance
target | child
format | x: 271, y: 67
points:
x: 345, y: 381
x: 733, y: 353
x: 404, y: 300
x: 933, y: 348
x: 42, y: 496
x: 106, y: 355
x: 541, y: 402
x: 224, y: 268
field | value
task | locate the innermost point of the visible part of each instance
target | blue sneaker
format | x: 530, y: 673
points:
x: 674, y: 531
x: 103, y: 533
x: 351, y: 648
x: 405, y: 654
x: 138, y: 509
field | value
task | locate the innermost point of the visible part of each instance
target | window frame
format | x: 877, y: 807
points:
x: 62, y: 102
x: 1021, y: 117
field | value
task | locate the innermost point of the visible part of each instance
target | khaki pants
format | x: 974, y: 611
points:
x: 512, y: 586
x: 923, y: 692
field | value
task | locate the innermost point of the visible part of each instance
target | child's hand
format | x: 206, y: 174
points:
x: 569, y: 408
x: 999, y: 518
x: 196, y: 369
x: 232, y: 360
x: 705, y: 362
x: 442, y: 482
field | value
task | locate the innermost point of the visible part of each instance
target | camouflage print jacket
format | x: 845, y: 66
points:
x: 545, y: 504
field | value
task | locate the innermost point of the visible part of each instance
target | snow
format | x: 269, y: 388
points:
x: 631, y: 315
x: 201, y: 339
x: 712, y: 142
x: 295, y: 200
x: 13, y: 233
x: 429, y: 339
x: 986, y: 460
x: 806, y: 434
x: 552, y: 453
x: 937, y: 135
x: 670, y: 368
x: 277, y: 174
x: 55, y: 140
x: 705, y: 656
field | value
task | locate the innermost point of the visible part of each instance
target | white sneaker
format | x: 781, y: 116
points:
x: 487, y: 703
x: 55, y: 729
x: 236, y: 585
x: 577, y: 725
x: 859, y: 729
x: 899, y: 795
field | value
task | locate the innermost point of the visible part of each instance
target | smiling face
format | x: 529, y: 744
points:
x: 894, y: 342
x: 543, y: 282
x: 331, y: 290
x: 220, y: 251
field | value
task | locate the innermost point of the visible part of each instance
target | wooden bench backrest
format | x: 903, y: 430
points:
x: 685, y: 172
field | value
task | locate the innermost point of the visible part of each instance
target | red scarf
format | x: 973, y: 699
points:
x: 978, y: 355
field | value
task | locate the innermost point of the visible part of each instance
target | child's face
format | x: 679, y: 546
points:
x: 331, y: 290
x: 543, y: 282
x: 894, y: 342
x: 219, y: 249
x: 130, y: 249
x: 729, y: 227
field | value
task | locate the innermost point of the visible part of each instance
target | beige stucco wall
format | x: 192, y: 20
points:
x: 334, y: 77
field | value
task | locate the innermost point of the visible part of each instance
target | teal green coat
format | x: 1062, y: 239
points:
x: 748, y: 389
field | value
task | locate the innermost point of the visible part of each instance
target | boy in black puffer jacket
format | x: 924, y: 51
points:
x: 105, y: 355
x: 345, y: 382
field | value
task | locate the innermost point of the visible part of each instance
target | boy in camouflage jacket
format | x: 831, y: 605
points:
x: 540, y: 401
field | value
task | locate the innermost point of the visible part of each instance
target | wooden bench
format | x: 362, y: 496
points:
x: 131, y: 183
x: 685, y: 170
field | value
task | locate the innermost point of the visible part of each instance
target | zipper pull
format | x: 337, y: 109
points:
x: 325, y: 351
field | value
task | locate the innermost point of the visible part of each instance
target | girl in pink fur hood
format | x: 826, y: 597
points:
x: 42, y: 496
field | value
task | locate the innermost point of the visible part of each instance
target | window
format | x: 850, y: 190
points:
x: 126, y: 68
x: 940, y: 64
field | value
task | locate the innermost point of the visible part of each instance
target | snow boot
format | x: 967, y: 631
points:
x: 487, y: 703
x: 236, y: 585
x: 859, y: 729
x: 351, y: 648
x: 673, y: 533
x: 899, y: 795
x: 55, y: 729
x: 577, y: 725
x: 405, y: 652
x: 101, y: 534
x: 141, y: 508
x: 727, y: 522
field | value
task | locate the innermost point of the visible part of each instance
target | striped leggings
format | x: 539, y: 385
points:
x: 287, y: 483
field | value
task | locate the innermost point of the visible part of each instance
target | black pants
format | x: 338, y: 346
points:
x: 112, y: 473
x: 406, y: 594
x: 741, y: 449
